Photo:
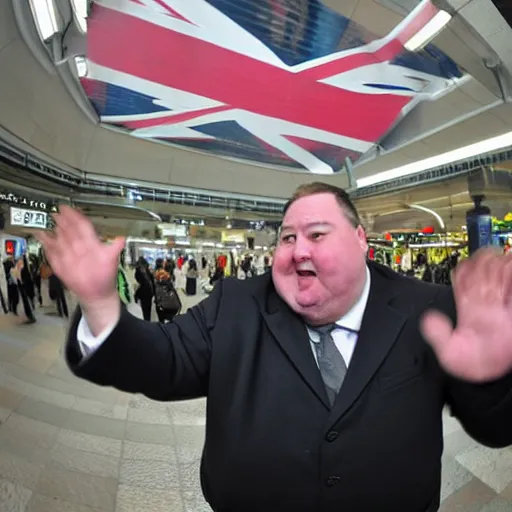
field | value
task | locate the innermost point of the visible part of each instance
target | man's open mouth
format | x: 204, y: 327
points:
x: 306, y: 273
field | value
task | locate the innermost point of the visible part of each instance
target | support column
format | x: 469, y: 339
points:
x: 479, y: 225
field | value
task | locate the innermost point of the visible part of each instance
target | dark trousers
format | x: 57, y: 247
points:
x: 62, y: 305
x: 145, y: 305
x: 191, y: 286
x: 27, y: 305
x: 37, y: 285
x: 13, y: 298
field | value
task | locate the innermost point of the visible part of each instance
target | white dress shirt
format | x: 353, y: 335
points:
x: 344, y: 339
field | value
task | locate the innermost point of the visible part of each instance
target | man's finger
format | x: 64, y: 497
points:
x: 82, y: 226
x: 45, y: 238
x: 49, y: 242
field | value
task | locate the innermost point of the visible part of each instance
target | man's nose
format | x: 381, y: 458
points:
x: 301, y: 249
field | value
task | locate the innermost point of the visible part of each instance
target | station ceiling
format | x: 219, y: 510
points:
x: 257, y: 100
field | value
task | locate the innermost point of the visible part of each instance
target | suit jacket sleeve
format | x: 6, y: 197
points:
x: 484, y: 410
x: 162, y: 361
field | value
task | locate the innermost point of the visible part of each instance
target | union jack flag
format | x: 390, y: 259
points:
x: 252, y: 80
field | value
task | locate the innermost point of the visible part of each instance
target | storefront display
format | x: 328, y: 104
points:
x: 424, y: 255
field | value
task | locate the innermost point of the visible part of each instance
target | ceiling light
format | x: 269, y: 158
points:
x: 435, y: 244
x: 428, y: 32
x: 45, y: 17
x: 81, y: 68
x: 80, y: 7
x: 484, y: 146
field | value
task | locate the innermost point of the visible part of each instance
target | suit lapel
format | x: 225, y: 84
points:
x: 380, y: 328
x: 292, y: 335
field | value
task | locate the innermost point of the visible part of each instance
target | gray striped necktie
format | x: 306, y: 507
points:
x: 330, y: 361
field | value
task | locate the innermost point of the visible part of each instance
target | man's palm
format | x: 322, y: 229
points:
x: 479, y: 349
x: 85, y: 265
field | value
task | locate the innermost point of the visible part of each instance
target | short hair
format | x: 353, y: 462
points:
x: 318, y: 187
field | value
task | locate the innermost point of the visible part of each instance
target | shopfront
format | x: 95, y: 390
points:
x: 20, y: 216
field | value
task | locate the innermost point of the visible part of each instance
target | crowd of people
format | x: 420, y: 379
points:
x: 160, y: 284
x: 23, y: 282
x: 30, y: 281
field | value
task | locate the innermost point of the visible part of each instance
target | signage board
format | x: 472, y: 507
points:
x: 233, y: 236
x: 12, y: 198
x: 173, y: 230
x: 28, y: 218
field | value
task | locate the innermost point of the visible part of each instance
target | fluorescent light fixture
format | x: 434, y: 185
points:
x: 80, y: 12
x: 484, y: 146
x: 145, y: 241
x: 428, y: 210
x: 428, y: 32
x: 80, y: 7
x: 45, y: 18
x: 435, y: 244
x: 81, y: 69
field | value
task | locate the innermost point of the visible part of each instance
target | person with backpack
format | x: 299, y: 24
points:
x: 167, y: 301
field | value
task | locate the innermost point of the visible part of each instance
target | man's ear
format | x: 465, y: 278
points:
x: 361, y: 235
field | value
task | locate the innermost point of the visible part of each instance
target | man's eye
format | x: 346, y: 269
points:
x: 317, y: 236
x: 288, y: 238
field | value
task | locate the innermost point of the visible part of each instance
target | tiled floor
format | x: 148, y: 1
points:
x: 69, y: 446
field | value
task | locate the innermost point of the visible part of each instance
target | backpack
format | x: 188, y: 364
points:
x: 166, y: 297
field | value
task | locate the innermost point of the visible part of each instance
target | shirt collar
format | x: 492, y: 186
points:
x: 353, y: 319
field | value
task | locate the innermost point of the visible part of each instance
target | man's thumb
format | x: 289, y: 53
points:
x: 437, y: 329
x: 117, y: 245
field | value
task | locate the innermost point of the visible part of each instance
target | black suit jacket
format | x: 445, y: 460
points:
x: 272, y: 441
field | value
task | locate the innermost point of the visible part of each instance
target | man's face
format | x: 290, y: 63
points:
x: 320, y: 262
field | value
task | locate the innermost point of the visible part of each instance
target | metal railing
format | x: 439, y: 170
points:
x: 436, y: 174
x: 80, y: 183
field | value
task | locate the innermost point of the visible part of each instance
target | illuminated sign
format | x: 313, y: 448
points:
x: 10, y: 247
x: 173, y: 230
x: 233, y: 236
x: 28, y: 218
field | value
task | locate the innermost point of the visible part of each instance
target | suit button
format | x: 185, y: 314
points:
x: 332, y: 436
x: 332, y: 481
